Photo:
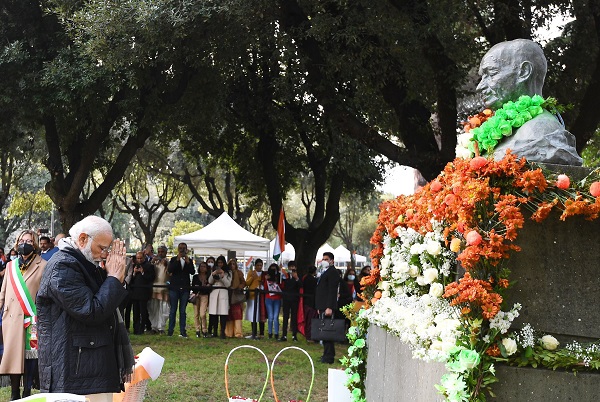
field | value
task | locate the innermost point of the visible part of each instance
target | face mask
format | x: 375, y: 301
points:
x: 13, y: 257
x: 351, y: 277
x: 210, y: 264
x: 324, y: 264
x: 25, y: 249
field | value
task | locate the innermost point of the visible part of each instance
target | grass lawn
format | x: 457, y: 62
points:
x: 194, y: 367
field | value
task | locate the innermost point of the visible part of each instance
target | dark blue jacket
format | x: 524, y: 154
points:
x: 76, y: 307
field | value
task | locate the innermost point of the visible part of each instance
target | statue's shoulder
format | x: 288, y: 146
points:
x: 542, y: 124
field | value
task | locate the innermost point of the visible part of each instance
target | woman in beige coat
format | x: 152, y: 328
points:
x: 236, y: 311
x: 19, y: 358
x: 218, y: 303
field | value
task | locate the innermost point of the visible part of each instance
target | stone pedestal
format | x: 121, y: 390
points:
x: 557, y: 276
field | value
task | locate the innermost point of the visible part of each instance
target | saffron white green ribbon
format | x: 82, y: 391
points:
x: 25, y: 301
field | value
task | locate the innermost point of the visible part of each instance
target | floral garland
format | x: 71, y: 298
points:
x: 470, y: 214
x: 484, y: 130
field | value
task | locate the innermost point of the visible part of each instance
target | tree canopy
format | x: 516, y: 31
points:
x: 273, y: 92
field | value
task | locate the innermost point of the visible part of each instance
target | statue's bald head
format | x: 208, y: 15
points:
x: 511, y: 69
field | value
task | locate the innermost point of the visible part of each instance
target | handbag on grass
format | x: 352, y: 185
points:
x: 328, y: 329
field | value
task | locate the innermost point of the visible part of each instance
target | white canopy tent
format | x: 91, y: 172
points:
x: 342, y: 255
x: 223, y: 235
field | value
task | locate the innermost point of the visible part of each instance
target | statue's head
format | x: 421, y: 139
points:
x: 511, y: 69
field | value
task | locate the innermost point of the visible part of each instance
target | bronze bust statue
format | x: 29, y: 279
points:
x: 509, y: 70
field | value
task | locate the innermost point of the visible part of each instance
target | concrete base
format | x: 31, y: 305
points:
x: 393, y: 375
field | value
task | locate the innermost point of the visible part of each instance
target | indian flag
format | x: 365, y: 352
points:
x: 279, y: 245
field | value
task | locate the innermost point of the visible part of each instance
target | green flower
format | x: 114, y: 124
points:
x: 535, y: 110
x: 511, y: 114
x: 537, y: 100
x: 518, y: 121
x: 466, y: 360
x: 356, y: 393
x: 360, y: 343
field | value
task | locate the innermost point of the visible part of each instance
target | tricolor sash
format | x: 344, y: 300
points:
x: 26, y: 302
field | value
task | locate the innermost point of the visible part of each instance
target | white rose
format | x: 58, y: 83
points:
x: 416, y: 249
x: 421, y: 281
x: 430, y: 275
x: 384, y: 285
x: 549, y: 342
x: 436, y: 290
x: 510, y: 345
x: 413, y: 271
x: 403, y: 267
x: 434, y: 247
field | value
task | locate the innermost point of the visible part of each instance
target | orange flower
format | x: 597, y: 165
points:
x: 493, y: 350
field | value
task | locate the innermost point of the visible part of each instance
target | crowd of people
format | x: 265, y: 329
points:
x: 81, y: 293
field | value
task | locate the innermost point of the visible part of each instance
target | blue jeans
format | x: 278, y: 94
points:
x: 273, y: 306
x: 181, y: 297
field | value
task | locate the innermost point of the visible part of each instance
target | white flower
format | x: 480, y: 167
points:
x: 403, y: 267
x: 413, y: 271
x: 462, y: 143
x: 433, y: 247
x: 510, y: 345
x: 430, y: 275
x: 416, y: 248
x: 549, y: 342
x: 421, y: 281
x: 436, y: 289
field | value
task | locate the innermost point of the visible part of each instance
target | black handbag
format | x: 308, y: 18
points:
x: 328, y: 329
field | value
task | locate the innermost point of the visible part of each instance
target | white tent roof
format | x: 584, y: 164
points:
x: 342, y: 254
x: 222, y: 235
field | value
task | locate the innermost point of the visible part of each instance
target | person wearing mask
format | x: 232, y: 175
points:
x: 326, y: 299
x: 158, y: 306
x: 253, y: 306
x: 273, y: 299
x: 19, y: 314
x: 180, y: 269
x: 291, y: 298
x: 201, y: 290
x: 352, y: 281
x: 236, y: 310
x: 140, y: 291
x: 218, y: 303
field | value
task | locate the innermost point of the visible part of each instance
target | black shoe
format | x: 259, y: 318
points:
x: 205, y: 334
x: 295, y: 338
x: 26, y: 393
x: 169, y: 333
x: 15, y: 395
x: 184, y: 335
x: 197, y: 334
x: 270, y: 336
x: 282, y: 339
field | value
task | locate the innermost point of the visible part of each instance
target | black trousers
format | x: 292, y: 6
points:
x: 140, y: 312
x: 290, y: 307
x: 328, y: 352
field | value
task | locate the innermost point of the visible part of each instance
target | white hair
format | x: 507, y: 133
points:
x: 91, y: 226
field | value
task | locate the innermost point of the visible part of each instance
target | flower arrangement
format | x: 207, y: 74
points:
x: 484, y: 130
x: 469, y: 216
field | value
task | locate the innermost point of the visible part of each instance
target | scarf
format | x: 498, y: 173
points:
x: 27, y: 306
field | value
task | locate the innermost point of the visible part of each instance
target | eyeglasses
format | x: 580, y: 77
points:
x: 103, y: 249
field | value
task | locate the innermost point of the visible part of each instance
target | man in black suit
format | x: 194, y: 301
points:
x: 326, y: 300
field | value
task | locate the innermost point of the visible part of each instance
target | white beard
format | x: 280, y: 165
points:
x: 87, y: 252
